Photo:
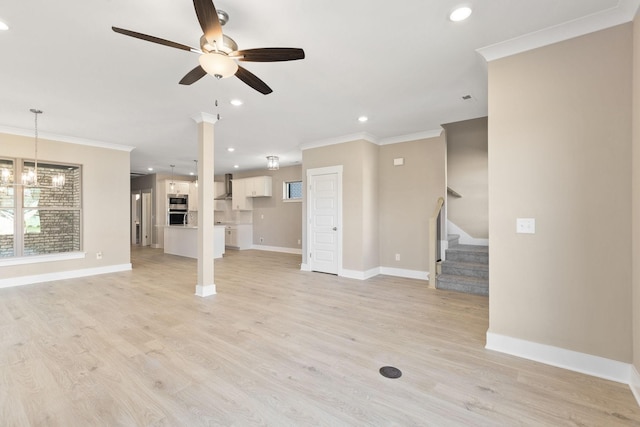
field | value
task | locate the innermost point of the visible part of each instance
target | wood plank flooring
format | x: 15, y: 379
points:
x: 275, y: 347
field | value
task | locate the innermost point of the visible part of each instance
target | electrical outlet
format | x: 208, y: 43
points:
x: 98, y: 255
x: 261, y: 239
x: 299, y: 241
x: 397, y: 257
x: 526, y: 225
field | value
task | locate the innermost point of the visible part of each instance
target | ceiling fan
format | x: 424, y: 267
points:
x: 218, y: 53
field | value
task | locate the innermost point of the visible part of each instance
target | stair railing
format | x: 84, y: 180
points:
x: 434, y: 242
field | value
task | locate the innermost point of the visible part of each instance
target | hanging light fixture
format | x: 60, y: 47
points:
x: 196, y: 173
x: 172, y: 184
x: 273, y: 163
x: 30, y: 176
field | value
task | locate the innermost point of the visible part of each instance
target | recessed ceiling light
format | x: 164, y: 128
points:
x: 236, y: 102
x: 149, y: 169
x: 236, y: 166
x: 3, y: 26
x: 231, y: 149
x: 460, y: 14
x: 191, y: 173
x: 363, y: 119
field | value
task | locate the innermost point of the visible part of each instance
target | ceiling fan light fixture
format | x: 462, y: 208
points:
x: 218, y: 64
x: 460, y: 13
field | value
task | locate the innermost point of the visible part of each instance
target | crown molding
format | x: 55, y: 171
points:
x: 624, y: 12
x: 205, y: 117
x: 339, y: 140
x: 434, y: 133
x: 411, y: 137
x: 65, y: 138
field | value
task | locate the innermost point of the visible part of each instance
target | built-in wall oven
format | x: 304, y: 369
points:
x: 178, y: 209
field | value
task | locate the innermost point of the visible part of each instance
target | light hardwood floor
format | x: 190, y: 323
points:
x: 275, y: 346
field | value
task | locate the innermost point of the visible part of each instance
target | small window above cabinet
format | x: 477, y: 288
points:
x: 258, y: 186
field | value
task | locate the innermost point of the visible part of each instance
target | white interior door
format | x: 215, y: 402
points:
x: 145, y: 228
x: 135, y: 218
x: 324, y: 222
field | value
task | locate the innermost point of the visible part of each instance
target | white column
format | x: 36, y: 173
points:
x: 205, y: 285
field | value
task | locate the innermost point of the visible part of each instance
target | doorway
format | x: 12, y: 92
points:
x: 324, y: 211
x: 141, y: 218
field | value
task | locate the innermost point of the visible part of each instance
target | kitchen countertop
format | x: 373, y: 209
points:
x: 189, y: 226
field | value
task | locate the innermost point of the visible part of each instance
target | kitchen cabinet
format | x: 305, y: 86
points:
x: 240, y: 201
x: 238, y: 236
x: 179, y: 187
x: 219, y: 191
x: 258, y: 186
x: 193, y: 196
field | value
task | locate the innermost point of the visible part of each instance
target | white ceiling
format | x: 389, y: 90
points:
x: 404, y: 65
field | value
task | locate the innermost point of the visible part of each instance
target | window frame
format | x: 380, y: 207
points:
x: 286, y: 192
x: 19, y: 210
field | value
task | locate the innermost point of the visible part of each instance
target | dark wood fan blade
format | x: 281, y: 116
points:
x: 193, y: 76
x: 268, y: 54
x: 209, y: 22
x: 252, y: 80
x: 153, y: 39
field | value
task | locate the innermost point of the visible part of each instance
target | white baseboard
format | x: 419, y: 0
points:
x: 634, y: 383
x: 359, y: 275
x: 401, y: 272
x: 205, y: 290
x: 562, y: 358
x: 296, y: 251
x: 62, y: 275
x: 388, y: 271
x: 465, y: 239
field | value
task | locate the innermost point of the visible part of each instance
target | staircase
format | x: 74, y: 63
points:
x: 465, y: 268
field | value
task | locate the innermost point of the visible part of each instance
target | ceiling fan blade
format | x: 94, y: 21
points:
x: 209, y: 22
x: 252, y: 80
x: 268, y: 54
x: 155, y: 40
x: 193, y: 76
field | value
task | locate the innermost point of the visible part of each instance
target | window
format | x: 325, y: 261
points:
x: 38, y: 220
x: 292, y: 191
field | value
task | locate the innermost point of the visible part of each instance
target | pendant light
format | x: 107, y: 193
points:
x: 273, y: 163
x: 196, y: 173
x: 30, y: 176
x: 172, y: 185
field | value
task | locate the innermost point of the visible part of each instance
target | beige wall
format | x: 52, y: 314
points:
x: 560, y: 151
x: 635, y: 255
x: 352, y: 156
x: 105, y: 202
x: 408, y: 196
x: 467, y: 166
x: 279, y: 223
x: 385, y: 207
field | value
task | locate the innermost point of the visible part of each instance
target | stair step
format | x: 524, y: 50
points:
x: 453, y: 240
x: 466, y: 284
x: 470, y: 269
x: 468, y: 253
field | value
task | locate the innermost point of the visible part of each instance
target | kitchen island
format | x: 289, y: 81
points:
x: 183, y: 240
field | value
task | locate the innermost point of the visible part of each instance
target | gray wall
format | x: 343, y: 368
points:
x: 467, y: 174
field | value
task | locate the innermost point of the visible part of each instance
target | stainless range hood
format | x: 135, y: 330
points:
x: 228, y: 193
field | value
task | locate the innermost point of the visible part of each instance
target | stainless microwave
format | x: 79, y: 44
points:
x: 178, y: 201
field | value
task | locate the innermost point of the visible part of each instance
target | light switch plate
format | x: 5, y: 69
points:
x: 398, y: 161
x: 526, y: 225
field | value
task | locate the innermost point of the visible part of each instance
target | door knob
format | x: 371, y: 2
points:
x: 335, y: 228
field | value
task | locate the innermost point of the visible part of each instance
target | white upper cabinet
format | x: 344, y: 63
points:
x: 240, y: 201
x: 193, y: 196
x: 179, y: 187
x: 258, y: 186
